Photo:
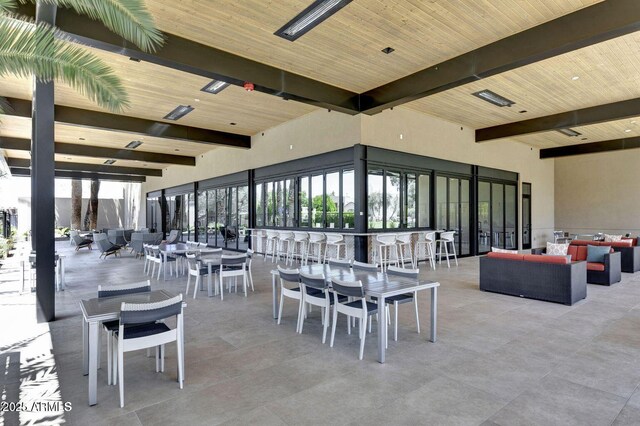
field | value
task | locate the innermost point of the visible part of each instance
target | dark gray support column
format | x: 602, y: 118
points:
x: 252, y: 203
x: 361, y: 243
x: 42, y: 185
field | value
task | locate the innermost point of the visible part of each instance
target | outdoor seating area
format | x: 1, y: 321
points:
x: 320, y: 212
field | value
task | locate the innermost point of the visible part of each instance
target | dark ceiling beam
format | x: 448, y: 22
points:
x: 591, y: 148
x: 563, y: 120
x: 25, y: 163
x: 591, y: 25
x: 189, y: 56
x: 81, y: 175
x: 101, y: 152
x: 139, y: 126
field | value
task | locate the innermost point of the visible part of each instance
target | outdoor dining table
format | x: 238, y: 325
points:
x: 376, y: 284
x: 94, y: 312
x: 179, y: 248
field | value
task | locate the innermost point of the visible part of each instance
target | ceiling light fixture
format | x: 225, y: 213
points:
x: 249, y: 87
x: 493, y: 98
x: 388, y: 50
x: 233, y: 124
x: 309, y: 18
x: 133, y: 144
x: 627, y: 130
x: 134, y: 59
x: 575, y: 77
x: 569, y: 132
x: 179, y: 112
x: 215, y: 87
x: 109, y: 162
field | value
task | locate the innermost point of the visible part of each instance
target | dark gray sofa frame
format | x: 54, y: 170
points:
x: 550, y: 282
x: 630, y: 258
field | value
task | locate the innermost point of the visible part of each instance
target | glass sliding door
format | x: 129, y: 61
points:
x: 348, y: 199
x: 332, y: 201
x: 526, y: 215
x: 201, y: 219
x: 452, y: 213
x: 243, y: 217
x: 424, y: 201
x: 497, y: 216
x: 212, y: 229
x: 154, y: 214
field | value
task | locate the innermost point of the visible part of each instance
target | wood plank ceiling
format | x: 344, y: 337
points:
x: 345, y: 51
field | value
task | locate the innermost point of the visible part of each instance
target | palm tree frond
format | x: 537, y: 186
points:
x: 5, y: 106
x: 28, y: 49
x: 127, y: 18
x: 7, y: 6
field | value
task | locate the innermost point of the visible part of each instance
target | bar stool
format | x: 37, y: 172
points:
x: 271, y: 245
x: 425, y: 246
x: 316, y: 244
x: 404, y: 245
x: 258, y: 241
x: 387, y: 250
x: 447, y: 239
x: 284, y: 245
x: 300, y: 249
x: 335, y: 241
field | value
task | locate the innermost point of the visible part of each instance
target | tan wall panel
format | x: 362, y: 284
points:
x: 597, y: 193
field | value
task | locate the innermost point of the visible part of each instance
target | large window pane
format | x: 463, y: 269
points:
x: 409, y: 215
x: 271, y: 207
x: 259, y: 206
x: 332, y: 200
x: 191, y: 216
x: 465, y: 219
x: 304, y: 201
x: 497, y: 213
x: 291, y: 203
x: 441, y: 200
x: 221, y: 216
x: 233, y: 218
x: 154, y: 214
x: 511, y: 214
x: 243, y: 217
x: 454, y: 199
x: 393, y: 199
x: 484, y: 218
x: 202, y: 216
x: 280, y: 201
x: 211, y: 217
x: 374, y: 199
x: 348, y: 200
x: 424, y: 195
x: 317, y: 201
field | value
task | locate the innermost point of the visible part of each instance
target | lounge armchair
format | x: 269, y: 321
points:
x: 227, y: 233
x: 81, y: 242
x: 105, y: 246
x: 174, y: 236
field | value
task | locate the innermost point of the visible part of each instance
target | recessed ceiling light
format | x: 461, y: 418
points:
x: 133, y: 144
x: 627, y: 130
x: 584, y: 139
x: 197, y: 100
x: 215, y: 86
x: 68, y: 158
x: 179, y: 112
x: 523, y: 111
x: 388, y: 50
x: 233, y: 124
x: 493, y: 98
x: 81, y: 139
x: 145, y: 165
x: 109, y: 162
x: 569, y: 132
x: 575, y: 77
x: 176, y: 150
x: 134, y: 59
x: 309, y: 18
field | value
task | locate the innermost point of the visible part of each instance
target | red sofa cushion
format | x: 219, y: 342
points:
x: 582, y: 242
x: 512, y: 256
x: 546, y: 259
x: 623, y: 243
x: 577, y: 252
x: 592, y: 266
x: 634, y: 241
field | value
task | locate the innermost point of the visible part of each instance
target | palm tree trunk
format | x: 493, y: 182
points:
x: 76, y: 203
x: 93, y: 202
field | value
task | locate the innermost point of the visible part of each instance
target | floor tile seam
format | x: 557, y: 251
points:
x: 500, y: 398
x: 592, y: 388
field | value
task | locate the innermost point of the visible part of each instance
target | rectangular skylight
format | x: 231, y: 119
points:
x: 493, y: 98
x: 133, y: 144
x: 109, y: 162
x: 309, y: 18
x: 569, y: 132
x: 179, y: 112
x: 216, y: 86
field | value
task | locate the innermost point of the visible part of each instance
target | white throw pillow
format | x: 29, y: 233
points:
x: 557, y: 249
x: 499, y: 250
x: 612, y: 238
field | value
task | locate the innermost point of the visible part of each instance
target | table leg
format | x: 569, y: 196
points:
x: 434, y: 312
x: 275, y: 296
x: 209, y: 290
x: 93, y: 362
x: 382, y: 329
x: 85, y: 347
x: 62, y: 283
x: 164, y: 265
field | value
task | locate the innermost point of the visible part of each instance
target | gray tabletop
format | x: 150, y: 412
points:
x: 106, y: 308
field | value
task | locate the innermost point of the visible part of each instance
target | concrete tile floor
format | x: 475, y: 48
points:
x: 499, y: 360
